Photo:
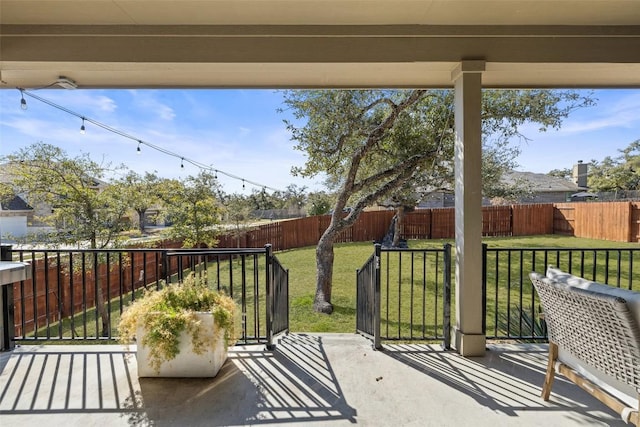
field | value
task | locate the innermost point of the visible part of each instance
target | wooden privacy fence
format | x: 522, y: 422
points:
x: 615, y: 221
x: 438, y: 223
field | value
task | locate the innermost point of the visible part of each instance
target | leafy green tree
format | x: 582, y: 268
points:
x: 319, y: 203
x: 370, y: 143
x: 238, y: 214
x: 620, y: 173
x: 194, y: 209
x: 561, y: 173
x: 262, y: 200
x: 141, y: 193
x: 295, y: 197
x: 84, y: 209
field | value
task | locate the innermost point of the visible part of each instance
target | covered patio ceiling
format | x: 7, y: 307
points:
x: 318, y: 43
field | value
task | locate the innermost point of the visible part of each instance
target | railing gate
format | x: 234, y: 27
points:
x: 368, y: 298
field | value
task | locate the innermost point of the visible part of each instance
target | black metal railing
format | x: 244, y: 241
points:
x: 512, y: 308
x: 415, y: 289
x: 414, y: 298
x: 368, y: 298
x: 279, y: 292
x: 80, y: 294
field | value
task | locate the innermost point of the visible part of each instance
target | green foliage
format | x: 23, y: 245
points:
x: 140, y: 192
x: 83, y: 208
x: 561, y: 173
x: 165, y: 313
x: 237, y: 211
x: 388, y: 145
x: 617, y: 173
x: 6, y: 193
x: 522, y: 321
x: 319, y: 203
x: 193, y: 209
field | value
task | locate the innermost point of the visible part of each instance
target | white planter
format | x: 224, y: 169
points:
x: 187, y: 363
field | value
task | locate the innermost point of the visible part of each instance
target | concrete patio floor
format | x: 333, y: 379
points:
x: 323, y: 379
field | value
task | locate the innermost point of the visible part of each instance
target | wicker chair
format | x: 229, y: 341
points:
x: 600, y: 331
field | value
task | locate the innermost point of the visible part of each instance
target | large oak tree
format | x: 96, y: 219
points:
x: 82, y: 210
x: 371, y: 144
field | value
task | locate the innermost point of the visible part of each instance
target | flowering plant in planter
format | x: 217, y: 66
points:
x: 161, y: 318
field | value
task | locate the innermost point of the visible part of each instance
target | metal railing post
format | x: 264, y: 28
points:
x: 484, y: 288
x: 7, y: 328
x: 446, y: 305
x: 269, y: 296
x: 376, y: 309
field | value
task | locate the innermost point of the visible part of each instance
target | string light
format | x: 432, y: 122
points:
x: 23, y: 102
x: 82, y: 130
x: 201, y: 166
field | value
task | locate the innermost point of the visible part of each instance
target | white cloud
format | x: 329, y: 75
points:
x: 147, y: 101
x: 82, y: 102
x: 622, y: 112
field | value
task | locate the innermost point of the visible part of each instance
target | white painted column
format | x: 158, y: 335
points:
x: 469, y: 338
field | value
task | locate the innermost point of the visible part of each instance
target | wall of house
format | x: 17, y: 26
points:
x: 13, y: 224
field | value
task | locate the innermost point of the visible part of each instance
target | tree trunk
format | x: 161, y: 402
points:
x: 400, y: 212
x: 324, y: 264
x: 101, y: 306
x: 102, y: 309
x: 141, y: 219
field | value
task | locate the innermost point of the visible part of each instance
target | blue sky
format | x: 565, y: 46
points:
x: 241, y: 132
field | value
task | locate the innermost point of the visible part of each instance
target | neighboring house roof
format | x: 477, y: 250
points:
x: 540, y: 182
x: 15, y: 204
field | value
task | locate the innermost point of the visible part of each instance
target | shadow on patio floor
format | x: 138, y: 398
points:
x: 325, y: 379
x: 295, y: 383
x: 507, y: 380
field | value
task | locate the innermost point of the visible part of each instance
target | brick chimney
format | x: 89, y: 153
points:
x: 580, y: 174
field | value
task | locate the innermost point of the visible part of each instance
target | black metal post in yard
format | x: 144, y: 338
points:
x: 269, y: 297
x: 446, y: 304
x: 484, y: 288
x: 6, y: 306
x: 376, y: 309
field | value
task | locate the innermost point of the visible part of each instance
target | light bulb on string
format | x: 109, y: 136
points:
x: 24, y: 106
x: 23, y: 102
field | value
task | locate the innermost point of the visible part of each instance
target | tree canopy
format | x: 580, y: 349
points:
x: 618, y: 173
x: 81, y: 206
x: 372, y: 144
x: 193, y: 209
x: 140, y: 192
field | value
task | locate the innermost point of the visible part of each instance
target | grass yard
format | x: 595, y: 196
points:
x: 412, y: 310
x: 351, y: 256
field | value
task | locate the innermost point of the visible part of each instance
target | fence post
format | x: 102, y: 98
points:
x: 269, y: 297
x: 376, y: 309
x: 165, y: 269
x: 7, y: 341
x: 484, y: 288
x: 446, y: 307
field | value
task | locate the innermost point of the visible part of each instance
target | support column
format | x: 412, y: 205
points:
x: 469, y: 337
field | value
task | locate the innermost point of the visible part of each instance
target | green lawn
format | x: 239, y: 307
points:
x: 350, y: 256
x: 414, y: 303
